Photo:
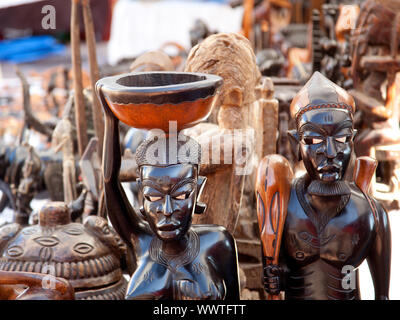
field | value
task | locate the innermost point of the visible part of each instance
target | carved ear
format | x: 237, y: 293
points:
x: 201, y: 181
x: 140, y: 188
x: 354, y: 134
x: 294, y: 140
x: 141, y: 208
x: 142, y: 212
x: 200, y: 207
x: 234, y: 97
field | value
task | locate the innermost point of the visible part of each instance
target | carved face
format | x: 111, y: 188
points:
x: 107, y: 235
x: 326, y: 143
x: 169, y: 198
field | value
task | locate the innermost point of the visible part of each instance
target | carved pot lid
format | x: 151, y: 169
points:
x: 88, y: 255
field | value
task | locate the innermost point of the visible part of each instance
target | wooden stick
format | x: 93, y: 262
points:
x: 97, y: 113
x: 272, y: 189
x: 80, y: 117
x: 364, y: 170
x: 94, y: 74
x: 31, y: 121
x: 248, y: 18
x: 270, y: 112
x: 363, y: 173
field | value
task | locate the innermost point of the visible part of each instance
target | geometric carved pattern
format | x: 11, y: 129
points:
x: 45, y: 253
x: 73, y: 231
x: 198, y: 268
x: 173, y: 262
x: 83, y: 248
x: 315, y: 241
x: 30, y: 231
x: 148, y: 276
x: 15, y: 251
x: 47, y: 241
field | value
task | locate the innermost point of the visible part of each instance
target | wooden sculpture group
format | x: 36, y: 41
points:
x: 312, y: 227
x: 178, y: 241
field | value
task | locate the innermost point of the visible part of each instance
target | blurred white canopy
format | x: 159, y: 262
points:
x: 140, y: 26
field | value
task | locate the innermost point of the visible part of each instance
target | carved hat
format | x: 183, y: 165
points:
x: 165, y: 151
x: 320, y: 92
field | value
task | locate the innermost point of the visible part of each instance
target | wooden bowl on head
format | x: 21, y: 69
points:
x: 149, y: 100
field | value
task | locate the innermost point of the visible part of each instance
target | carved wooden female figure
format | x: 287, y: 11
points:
x: 174, y: 259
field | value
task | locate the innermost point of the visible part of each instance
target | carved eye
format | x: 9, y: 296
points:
x: 342, y: 139
x: 182, y: 196
x: 106, y: 230
x: 15, y: 251
x: 46, y: 241
x: 316, y: 140
x: 153, y: 198
x: 83, y: 248
x: 74, y: 231
x: 309, y: 140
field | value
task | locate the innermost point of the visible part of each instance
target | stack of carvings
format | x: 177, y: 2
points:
x: 375, y: 71
x: 331, y: 45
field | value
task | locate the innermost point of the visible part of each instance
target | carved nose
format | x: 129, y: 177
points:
x: 330, y: 150
x: 167, y: 206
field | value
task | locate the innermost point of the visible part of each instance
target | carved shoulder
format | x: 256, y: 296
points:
x: 382, y: 217
x: 219, y: 246
x: 140, y: 244
x: 369, y: 205
x: 219, y: 241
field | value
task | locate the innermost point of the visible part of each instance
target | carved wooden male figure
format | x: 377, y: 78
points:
x: 332, y: 224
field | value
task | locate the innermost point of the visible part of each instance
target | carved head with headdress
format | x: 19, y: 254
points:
x: 169, y: 184
x: 324, y: 136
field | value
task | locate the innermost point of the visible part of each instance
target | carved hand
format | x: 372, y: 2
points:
x: 190, y: 290
x: 112, y: 151
x: 273, y: 279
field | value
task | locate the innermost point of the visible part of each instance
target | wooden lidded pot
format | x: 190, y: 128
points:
x: 87, y: 255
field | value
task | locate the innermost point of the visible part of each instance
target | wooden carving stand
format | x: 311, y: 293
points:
x: 13, y: 284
